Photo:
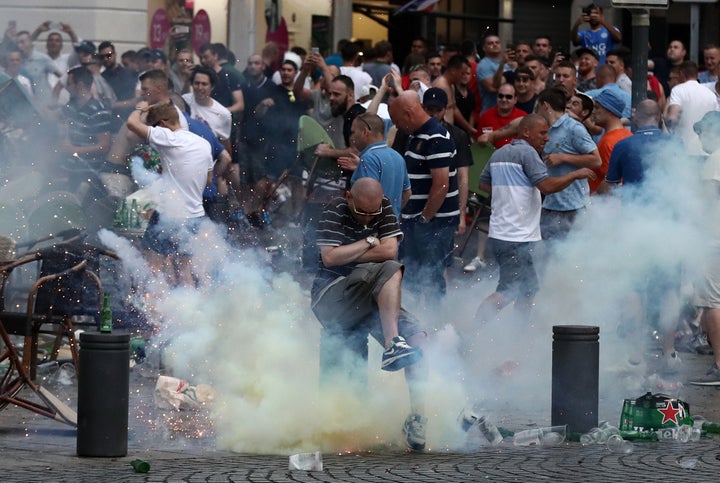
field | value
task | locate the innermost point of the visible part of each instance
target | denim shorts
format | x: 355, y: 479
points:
x: 167, y: 237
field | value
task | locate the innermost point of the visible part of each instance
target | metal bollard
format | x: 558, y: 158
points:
x: 575, y: 371
x: 103, y: 394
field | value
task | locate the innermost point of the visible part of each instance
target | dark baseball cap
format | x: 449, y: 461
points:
x: 85, y: 47
x: 585, y: 50
x: 435, y: 97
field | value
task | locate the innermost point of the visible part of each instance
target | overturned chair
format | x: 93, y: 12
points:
x: 60, y: 293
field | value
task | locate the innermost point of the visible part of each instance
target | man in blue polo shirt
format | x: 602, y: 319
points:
x: 377, y: 160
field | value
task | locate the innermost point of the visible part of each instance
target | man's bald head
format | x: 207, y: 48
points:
x: 647, y: 113
x: 407, y: 112
x: 534, y: 128
x: 367, y: 190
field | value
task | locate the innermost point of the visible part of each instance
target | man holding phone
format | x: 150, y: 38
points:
x: 600, y: 37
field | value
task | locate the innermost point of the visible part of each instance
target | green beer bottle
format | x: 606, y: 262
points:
x: 106, y: 315
x: 712, y: 428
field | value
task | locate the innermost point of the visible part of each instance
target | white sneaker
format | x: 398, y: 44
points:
x: 671, y: 363
x: 476, y: 263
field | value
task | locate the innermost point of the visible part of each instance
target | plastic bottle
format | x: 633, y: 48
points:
x: 489, y: 430
x: 106, y: 315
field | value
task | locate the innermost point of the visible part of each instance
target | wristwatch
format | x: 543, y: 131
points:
x: 371, y: 240
x: 423, y: 220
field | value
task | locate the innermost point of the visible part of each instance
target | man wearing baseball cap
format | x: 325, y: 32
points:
x: 435, y: 102
x: 607, y: 114
x: 588, y: 61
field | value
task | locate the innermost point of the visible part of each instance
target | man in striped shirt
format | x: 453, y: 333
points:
x: 357, y: 291
x: 430, y: 217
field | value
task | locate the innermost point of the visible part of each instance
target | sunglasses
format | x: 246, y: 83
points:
x: 364, y: 122
x: 505, y: 96
x: 108, y: 55
x: 364, y: 213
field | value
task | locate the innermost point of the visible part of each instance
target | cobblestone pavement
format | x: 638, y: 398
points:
x: 39, y: 449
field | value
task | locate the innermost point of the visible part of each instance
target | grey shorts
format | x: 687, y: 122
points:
x: 350, y: 303
x: 707, y: 290
x: 517, y: 270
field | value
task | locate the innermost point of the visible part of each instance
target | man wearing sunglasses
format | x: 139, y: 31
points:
x: 122, y: 82
x: 357, y: 291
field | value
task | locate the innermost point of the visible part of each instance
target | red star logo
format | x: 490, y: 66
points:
x: 669, y: 413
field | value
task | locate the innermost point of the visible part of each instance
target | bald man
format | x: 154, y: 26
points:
x: 431, y: 216
x: 357, y: 291
x: 516, y: 176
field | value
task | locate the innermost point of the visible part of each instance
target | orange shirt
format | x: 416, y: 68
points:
x: 605, y: 147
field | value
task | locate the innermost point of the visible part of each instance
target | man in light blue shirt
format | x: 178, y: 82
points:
x: 569, y: 148
x: 377, y: 160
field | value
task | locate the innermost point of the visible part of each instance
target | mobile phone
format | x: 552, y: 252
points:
x: 12, y: 24
x: 55, y: 26
x: 315, y: 50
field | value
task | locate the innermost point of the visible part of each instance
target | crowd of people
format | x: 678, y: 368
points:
x: 398, y: 140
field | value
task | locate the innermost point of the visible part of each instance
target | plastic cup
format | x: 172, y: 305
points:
x: 553, y: 435
x: 306, y: 461
x: 617, y: 444
x: 527, y: 438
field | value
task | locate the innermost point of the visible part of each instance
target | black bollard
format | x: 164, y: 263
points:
x: 103, y: 394
x: 575, y: 370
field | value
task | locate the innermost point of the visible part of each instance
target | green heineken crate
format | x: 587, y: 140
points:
x: 652, y: 412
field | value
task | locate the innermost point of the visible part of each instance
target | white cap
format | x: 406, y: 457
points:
x: 294, y: 58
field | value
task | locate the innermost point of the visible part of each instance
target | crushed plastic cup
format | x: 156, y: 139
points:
x: 306, y: 461
x: 684, y: 433
x: 528, y: 437
x: 545, y: 437
x: 553, y: 435
x: 617, y: 444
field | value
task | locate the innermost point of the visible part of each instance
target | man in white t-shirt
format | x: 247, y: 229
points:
x: 206, y: 109
x: 187, y: 165
x: 516, y: 175
x: 687, y: 104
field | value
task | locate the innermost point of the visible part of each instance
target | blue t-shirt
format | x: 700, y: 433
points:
x: 600, y: 41
x: 632, y: 157
x: 570, y: 137
x: 381, y: 162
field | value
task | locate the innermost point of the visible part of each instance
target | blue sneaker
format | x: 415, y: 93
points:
x: 399, y: 355
x: 414, y: 431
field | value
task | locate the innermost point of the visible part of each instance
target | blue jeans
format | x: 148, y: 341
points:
x: 425, y: 251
